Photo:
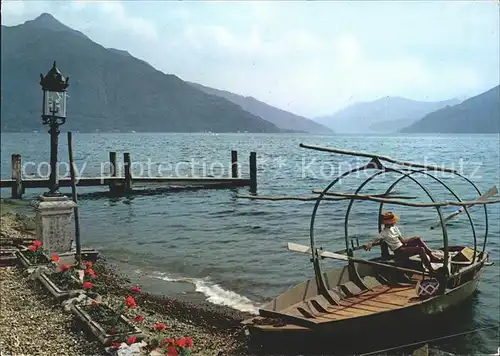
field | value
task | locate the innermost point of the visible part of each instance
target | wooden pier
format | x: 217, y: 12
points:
x: 124, y: 185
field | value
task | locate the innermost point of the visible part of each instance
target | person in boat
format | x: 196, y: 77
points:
x: 402, y: 248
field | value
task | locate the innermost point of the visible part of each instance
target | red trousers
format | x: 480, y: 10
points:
x: 416, y: 247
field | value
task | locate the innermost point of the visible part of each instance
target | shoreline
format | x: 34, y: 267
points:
x: 215, y: 329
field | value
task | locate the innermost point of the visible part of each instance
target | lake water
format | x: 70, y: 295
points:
x: 210, y: 244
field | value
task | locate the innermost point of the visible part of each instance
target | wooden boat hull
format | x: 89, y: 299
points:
x: 364, y: 312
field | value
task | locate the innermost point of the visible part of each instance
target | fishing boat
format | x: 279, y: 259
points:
x: 383, y: 290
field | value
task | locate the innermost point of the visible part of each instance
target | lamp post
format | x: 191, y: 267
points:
x: 53, y: 114
x: 54, y: 211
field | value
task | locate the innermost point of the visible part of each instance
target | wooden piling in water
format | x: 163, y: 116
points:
x: 112, y: 162
x: 17, y: 186
x: 128, y: 175
x: 253, y: 172
x: 234, y: 164
x: 113, y: 186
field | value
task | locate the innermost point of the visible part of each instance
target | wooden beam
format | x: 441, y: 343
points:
x: 420, y: 205
x: 305, y: 198
x: 382, y: 158
x: 318, y: 191
x: 75, y: 199
x: 340, y: 196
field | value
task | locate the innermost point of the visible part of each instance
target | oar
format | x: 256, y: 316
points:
x: 336, y: 256
x: 306, y: 249
x: 493, y: 191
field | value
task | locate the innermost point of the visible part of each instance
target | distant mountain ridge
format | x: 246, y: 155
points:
x: 479, y: 114
x: 110, y: 90
x: 281, y: 118
x: 387, y: 114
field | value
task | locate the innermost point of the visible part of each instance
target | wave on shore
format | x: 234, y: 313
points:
x: 214, y: 293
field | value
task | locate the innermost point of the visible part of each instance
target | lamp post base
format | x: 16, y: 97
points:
x: 54, y: 194
x: 55, y: 222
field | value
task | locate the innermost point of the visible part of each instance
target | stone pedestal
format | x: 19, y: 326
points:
x: 55, y: 223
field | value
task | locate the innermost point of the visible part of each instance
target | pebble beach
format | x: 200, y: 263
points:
x: 32, y: 323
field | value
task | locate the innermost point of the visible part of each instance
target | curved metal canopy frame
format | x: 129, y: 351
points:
x: 375, y: 164
x: 449, y: 190
x: 393, y: 186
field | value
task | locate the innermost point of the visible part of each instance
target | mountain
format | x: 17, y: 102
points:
x: 383, y: 115
x: 283, y: 119
x: 48, y: 22
x: 390, y: 126
x: 479, y: 114
x: 108, y: 89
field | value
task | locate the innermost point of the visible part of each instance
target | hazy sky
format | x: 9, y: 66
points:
x: 311, y: 58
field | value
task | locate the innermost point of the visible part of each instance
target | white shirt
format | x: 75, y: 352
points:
x: 391, y: 236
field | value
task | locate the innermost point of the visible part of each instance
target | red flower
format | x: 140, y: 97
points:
x: 131, y: 340
x: 135, y: 289
x: 180, y: 342
x: 90, y: 272
x: 32, y: 248
x: 130, y: 302
x: 54, y: 258
x: 87, y: 264
x: 168, y: 341
x: 159, y: 326
x: 64, y: 268
x: 37, y: 243
x: 87, y: 285
x: 184, y: 342
x: 139, y: 318
x: 172, y: 351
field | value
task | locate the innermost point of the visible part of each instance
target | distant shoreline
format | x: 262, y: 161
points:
x: 263, y: 133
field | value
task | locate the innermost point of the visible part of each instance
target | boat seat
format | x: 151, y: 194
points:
x: 310, y: 308
x: 305, y: 312
x: 320, y: 303
x: 299, y: 310
x: 338, y: 292
x: 335, y: 295
x: 351, y: 289
x: 371, y: 282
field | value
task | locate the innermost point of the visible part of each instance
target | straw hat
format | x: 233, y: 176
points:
x: 389, y: 218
